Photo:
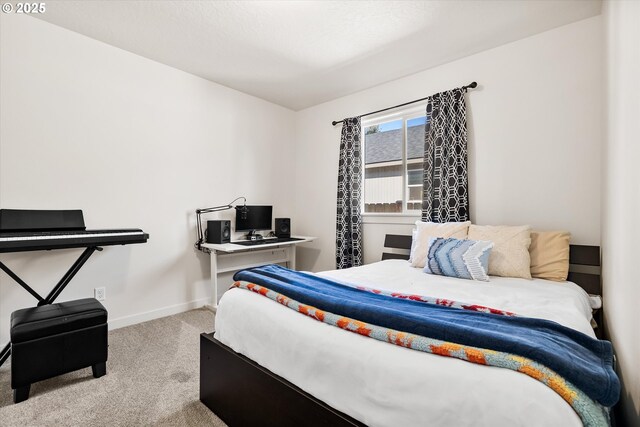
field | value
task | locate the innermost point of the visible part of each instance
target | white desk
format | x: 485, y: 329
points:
x: 230, y: 257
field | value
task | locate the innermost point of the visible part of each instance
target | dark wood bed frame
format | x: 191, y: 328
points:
x: 243, y: 393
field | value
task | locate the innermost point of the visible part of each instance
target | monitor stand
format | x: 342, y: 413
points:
x: 252, y: 235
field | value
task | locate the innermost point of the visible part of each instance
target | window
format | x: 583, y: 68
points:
x: 393, y: 152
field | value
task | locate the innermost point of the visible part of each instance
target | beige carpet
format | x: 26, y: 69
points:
x: 152, y: 380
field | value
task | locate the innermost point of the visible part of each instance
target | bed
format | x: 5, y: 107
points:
x: 267, y: 365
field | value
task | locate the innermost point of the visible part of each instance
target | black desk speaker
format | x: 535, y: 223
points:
x: 219, y: 231
x: 283, y: 227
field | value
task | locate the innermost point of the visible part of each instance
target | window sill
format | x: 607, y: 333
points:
x: 390, y: 218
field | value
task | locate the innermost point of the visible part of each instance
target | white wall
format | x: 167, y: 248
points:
x: 535, y: 137
x: 621, y: 200
x: 133, y: 143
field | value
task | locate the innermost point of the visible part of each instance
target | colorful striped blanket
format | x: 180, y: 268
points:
x: 576, y: 366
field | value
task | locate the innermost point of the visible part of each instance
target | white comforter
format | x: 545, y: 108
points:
x: 381, y: 384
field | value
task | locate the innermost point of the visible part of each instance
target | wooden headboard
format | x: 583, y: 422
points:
x: 584, y: 261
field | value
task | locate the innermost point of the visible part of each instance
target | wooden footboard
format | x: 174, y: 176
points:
x: 243, y: 393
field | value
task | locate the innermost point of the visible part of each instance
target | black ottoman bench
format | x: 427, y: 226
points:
x: 55, y: 339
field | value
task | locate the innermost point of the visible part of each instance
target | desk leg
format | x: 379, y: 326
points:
x: 292, y: 257
x: 214, y: 279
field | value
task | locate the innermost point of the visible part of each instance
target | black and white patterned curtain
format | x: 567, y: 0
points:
x: 445, y: 195
x: 348, y: 219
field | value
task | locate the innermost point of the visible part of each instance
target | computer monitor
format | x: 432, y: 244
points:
x: 255, y: 218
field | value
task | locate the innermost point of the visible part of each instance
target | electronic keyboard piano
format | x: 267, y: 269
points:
x: 46, y: 240
x: 38, y: 230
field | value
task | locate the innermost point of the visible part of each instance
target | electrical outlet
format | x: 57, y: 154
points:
x: 100, y: 294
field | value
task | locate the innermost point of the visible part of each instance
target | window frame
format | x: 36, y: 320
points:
x: 405, y: 115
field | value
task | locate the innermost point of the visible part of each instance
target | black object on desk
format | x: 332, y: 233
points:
x: 36, y: 230
x: 265, y: 241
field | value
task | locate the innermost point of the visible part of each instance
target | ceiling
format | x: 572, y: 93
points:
x: 302, y: 53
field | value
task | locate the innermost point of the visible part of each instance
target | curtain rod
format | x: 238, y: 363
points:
x: 471, y: 85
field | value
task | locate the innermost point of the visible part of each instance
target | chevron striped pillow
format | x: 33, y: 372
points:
x: 464, y: 259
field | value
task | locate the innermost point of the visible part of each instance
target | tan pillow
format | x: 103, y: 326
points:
x: 510, y: 254
x: 427, y: 230
x: 549, y: 253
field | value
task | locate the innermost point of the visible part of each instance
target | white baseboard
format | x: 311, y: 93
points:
x: 211, y: 307
x: 133, y: 319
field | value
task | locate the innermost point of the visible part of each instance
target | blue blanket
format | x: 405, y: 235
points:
x: 580, y: 359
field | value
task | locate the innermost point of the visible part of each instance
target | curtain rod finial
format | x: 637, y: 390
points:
x: 334, y: 122
x: 473, y: 85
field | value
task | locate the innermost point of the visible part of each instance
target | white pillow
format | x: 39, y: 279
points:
x: 414, y: 232
x: 510, y: 253
x: 425, y: 231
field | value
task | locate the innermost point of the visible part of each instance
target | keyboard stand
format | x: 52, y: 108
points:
x: 55, y: 292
